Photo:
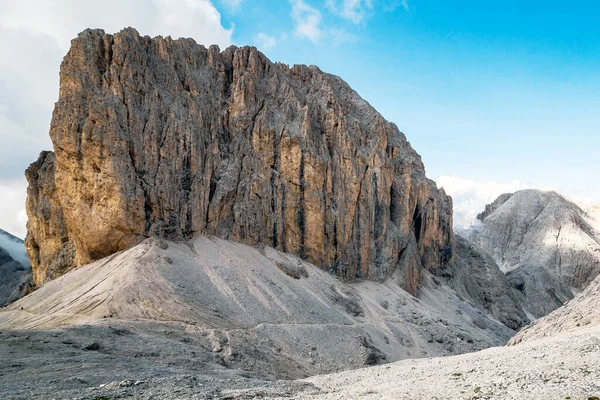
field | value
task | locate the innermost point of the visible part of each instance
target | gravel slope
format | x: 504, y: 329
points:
x: 211, y: 319
x: 581, y: 312
x: 562, y: 367
x: 165, y: 309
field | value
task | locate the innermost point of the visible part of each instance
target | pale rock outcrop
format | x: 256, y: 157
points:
x: 166, y: 138
x: 490, y: 208
x: 545, y: 243
x: 542, y: 228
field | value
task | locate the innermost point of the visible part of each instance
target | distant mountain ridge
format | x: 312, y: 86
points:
x: 545, y: 243
x: 14, y: 246
x: 15, y: 271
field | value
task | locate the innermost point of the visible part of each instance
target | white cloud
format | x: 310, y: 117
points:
x: 234, y: 5
x: 63, y: 19
x: 34, y: 36
x: 12, y: 207
x: 392, y: 5
x: 307, y: 21
x: 470, y: 197
x: 353, y: 10
x: 404, y: 4
x: 265, y: 42
x: 340, y: 36
x: 15, y: 249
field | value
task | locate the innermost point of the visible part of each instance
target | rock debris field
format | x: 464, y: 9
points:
x: 140, y: 325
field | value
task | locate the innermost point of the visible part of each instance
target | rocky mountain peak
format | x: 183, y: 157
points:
x: 167, y: 138
x: 490, y: 208
x: 545, y: 243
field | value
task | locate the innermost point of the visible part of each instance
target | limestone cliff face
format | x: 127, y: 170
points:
x: 162, y: 137
x: 49, y: 247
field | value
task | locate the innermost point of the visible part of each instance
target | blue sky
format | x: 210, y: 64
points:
x: 485, y: 90
x: 495, y: 96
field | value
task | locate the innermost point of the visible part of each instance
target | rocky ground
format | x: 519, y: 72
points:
x: 80, y: 364
x: 562, y: 367
x: 207, y: 307
x: 212, y: 319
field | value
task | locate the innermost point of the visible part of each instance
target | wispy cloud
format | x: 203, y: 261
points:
x: 392, y: 5
x: 352, y: 10
x: 307, y: 21
x: 233, y: 5
x: 264, y: 41
x: 15, y: 249
x: 340, y: 36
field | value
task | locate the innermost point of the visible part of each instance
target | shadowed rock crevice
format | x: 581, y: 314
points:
x: 162, y: 137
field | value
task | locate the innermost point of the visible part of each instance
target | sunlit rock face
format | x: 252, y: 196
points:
x: 166, y: 138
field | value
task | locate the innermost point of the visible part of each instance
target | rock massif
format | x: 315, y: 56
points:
x: 546, y: 244
x: 162, y: 137
x: 15, y: 271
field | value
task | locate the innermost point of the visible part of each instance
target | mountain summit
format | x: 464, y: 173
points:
x: 546, y: 244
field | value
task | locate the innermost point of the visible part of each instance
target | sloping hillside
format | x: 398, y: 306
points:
x: 561, y: 367
x: 236, y: 294
x: 163, y: 308
x: 581, y: 312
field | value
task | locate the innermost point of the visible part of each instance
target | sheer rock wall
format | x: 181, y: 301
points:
x: 166, y: 138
